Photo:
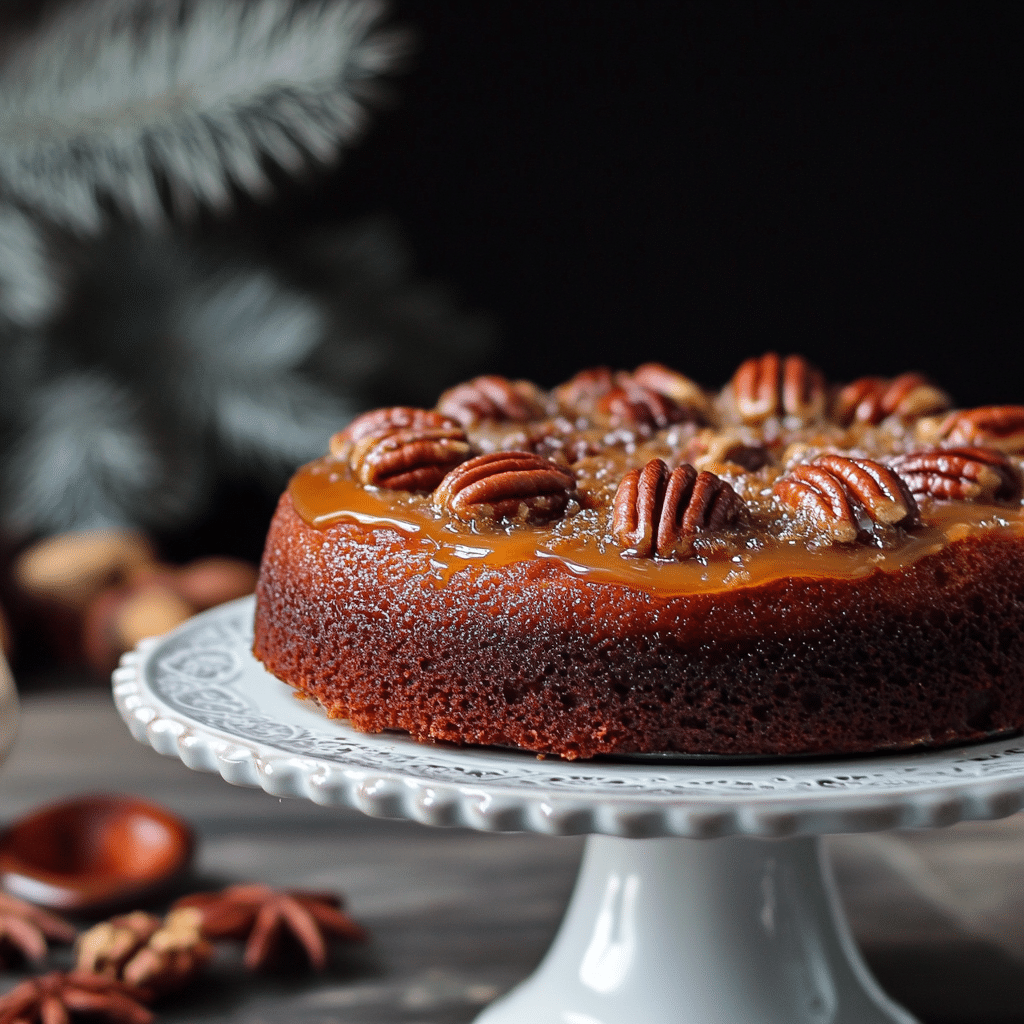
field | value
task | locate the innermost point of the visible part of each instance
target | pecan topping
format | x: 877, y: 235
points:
x: 381, y: 422
x: 652, y: 396
x: 834, y: 492
x: 633, y: 405
x: 416, y: 459
x: 751, y: 457
x: 767, y: 386
x: 556, y: 439
x: 661, y: 513
x: 683, y: 391
x: 492, y: 398
x: 506, y: 486
x: 995, y: 426
x: 580, y: 391
x: 872, y: 399
x: 401, y: 448
x: 959, y: 474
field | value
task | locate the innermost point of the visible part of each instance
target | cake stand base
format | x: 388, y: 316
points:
x: 685, y: 931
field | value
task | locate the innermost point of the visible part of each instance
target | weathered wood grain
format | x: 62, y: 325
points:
x: 457, y: 917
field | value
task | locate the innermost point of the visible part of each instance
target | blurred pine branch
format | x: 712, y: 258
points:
x: 153, y: 106
x: 29, y: 288
x: 170, y: 365
x: 141, y: 367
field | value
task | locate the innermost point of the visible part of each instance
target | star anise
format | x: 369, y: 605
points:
x: 57, y: 998
x: 264, y: 916
x: 24, y: 930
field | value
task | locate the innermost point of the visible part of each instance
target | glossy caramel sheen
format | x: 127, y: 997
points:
x: 324, y: 494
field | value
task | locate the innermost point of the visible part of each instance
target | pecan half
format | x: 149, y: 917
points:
x: 872, y: 399
x: 636, y: 510
x: 683, y: 391
x: 768, y: 385
x: 381, y: 422
x: 506, y: 486
x: 580, y: 391
x: 834, y: 492
x: 656, y: 512
x: 995, y: 426
x: 633, y: 405
x: 492, y: 398
x: 959, y: 474
x: 416, y: 459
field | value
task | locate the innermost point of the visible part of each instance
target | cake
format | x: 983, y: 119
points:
x: 631, y: 563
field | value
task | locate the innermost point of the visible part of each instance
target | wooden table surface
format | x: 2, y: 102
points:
x: 457, y: 917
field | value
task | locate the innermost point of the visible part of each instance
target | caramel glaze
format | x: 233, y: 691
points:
x: 324, y: 495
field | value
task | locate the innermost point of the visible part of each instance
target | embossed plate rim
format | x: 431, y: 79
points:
x: 180, y: 694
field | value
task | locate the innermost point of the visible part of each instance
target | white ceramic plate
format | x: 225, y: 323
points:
x: 199, y: 694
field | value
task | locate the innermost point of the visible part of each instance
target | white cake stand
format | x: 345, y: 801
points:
x: 661, y: 927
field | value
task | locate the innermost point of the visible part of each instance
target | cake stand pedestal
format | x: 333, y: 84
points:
x: 738, y: 930
x: 664, y: 926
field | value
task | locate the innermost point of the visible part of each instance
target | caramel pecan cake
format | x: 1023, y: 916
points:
x: 632, y: 563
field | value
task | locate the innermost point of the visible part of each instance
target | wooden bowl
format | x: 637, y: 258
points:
x: 93, y: 855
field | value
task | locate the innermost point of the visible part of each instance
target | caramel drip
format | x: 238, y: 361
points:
x: 324, y: 495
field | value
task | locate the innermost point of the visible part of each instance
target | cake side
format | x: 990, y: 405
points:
x: 536, y: 656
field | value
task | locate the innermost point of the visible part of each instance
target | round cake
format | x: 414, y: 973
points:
x: 630, y: 563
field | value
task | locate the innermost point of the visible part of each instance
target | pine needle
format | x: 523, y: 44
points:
x: 88, y: 459
x: 29, y: 290
x: 172, y: 364
x: 152, y: 105
x: 245, y: 337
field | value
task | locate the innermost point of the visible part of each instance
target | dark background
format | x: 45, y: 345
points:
x: 693, y: 183
x: 699, y: 182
